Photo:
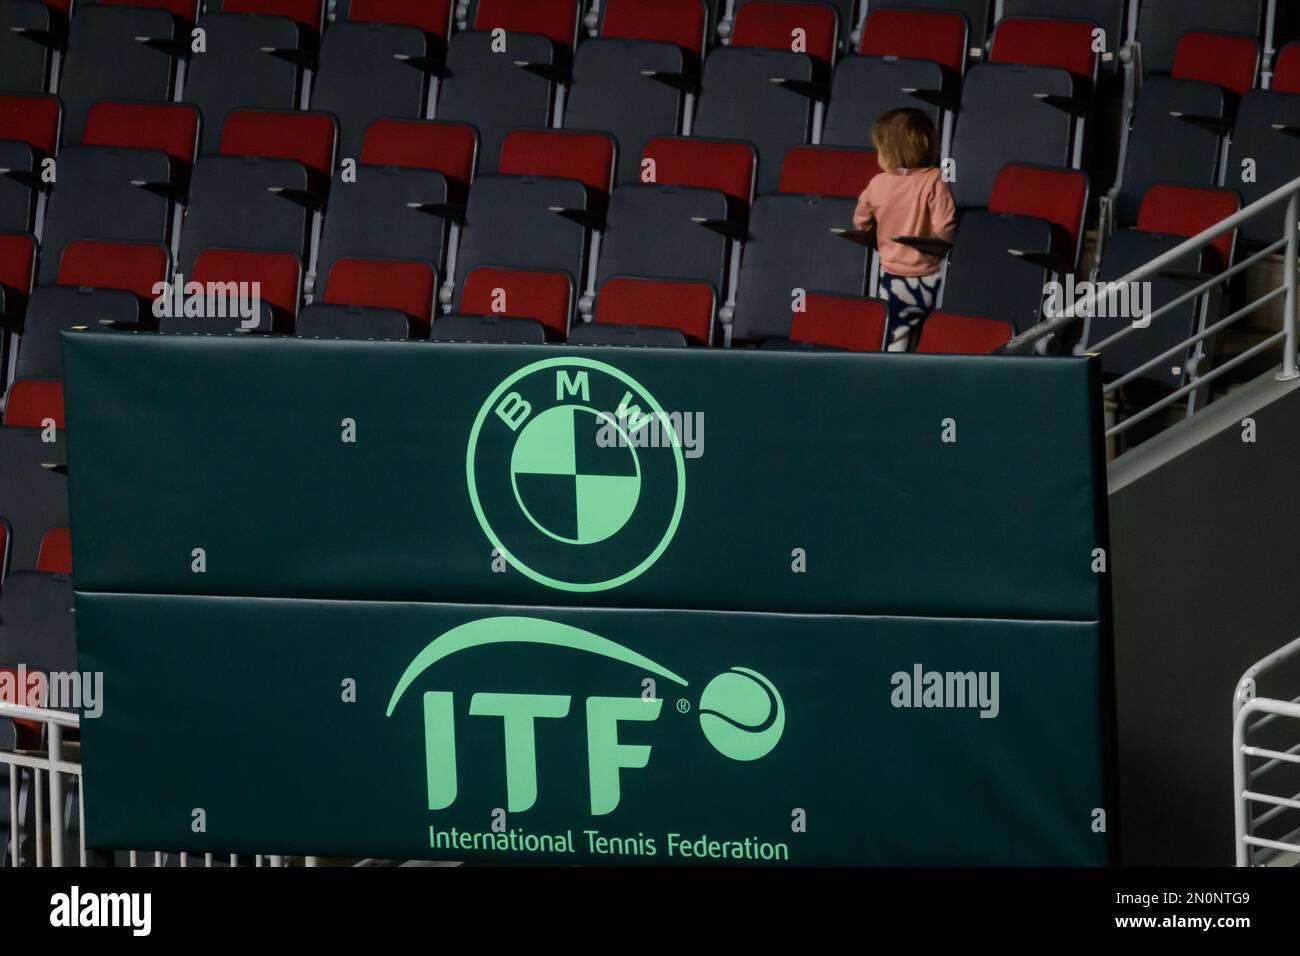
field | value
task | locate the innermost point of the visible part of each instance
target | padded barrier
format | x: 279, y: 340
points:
x: 777, y: 651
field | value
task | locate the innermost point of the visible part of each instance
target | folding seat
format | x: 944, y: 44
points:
x: 1053, y: 41
x: 32, y: 402
x: 369, y: 70
x: 320, y: 321
x: 110, y: 193
x: 1059, y: 196
x: 448, y: 148
x: 844, y: 322
x: 309, y: 14
x: 762, y: 96
x: 538, y: 215
x: 55, y: 554
x: 905, y: 59
x: 1174, y: 136
x: 952, y: 333
x: 29, y: 135
x: 828, y: 171
x: 125, y: 53
x: 36, y: 622
x: 642, y: 336
x: 1267, y: 132
x: 557, y: 19
x: 249, y: 62
x: 29, y: 38
x: 1010, y: 113
x: 273, y: 171
x: 409, y: 287
x: 487, y: 328
x: 171, y: 127
x: 846, y: 16
x: 978, y: 14
x: 687, y: 223
x: 1169, y: 216
x: 434, y: 17
x: 1226, y: 60
x: 252, y: 291
x: 796, y: 246
x: 687, y: 308
x: 1109, y: 15
x: 32, y: 496
x: 635, y: 79
x: 1162, y: 23
x: 775, y: 26
x: 526, y: 294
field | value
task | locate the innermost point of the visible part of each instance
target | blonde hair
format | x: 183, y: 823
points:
x: 904, y: 139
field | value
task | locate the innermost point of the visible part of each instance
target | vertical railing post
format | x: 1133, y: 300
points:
x: 1240, y: 779
x: 1289, y: 370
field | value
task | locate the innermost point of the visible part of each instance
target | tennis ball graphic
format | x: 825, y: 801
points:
x: 742, y: 714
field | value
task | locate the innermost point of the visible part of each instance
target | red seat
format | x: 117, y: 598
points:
x: 310, y: 138
x: 1184, y: 211
x: 546, y: 297
x: 431, y: 16
x: 1286, y: 74
x: 133, y: 266
x: 1058, y: 195
x: 562, y: 154
x: 773, y: 26
x: 32, y: 401
x: 952, y: 334
x: 668, y: 21
x: 55, y: 555
x: 847, y: 322
x: 1067, y: 44
x: 557, y: 19
x: 916, y: 35
x: 448, y: 148
x: 828, y: 171
x: 1224, y: 59
x: 310, y: 13
x: 726, y: 165
x: 17, y: 269
x: 185, y: 9
x: 685, y: 306
x: 406, y: 286
x: 33, y: 119
x: 278, y: 273
x: 170, y: 127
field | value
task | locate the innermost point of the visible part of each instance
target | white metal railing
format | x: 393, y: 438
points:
x: 1086, y: 305
x: 1248, y: 782
x: 39, y: 837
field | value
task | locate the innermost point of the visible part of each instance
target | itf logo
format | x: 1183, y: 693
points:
x: 565, y: 508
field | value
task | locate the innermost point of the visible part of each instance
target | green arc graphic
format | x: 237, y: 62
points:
x: 520, y: 630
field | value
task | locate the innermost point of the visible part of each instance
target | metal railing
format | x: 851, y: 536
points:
x: 39, y: 837
x: 1086, y: 305
x: 1247, y: 781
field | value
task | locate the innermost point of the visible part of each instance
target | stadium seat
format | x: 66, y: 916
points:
x: 1067, y: 44
x: 978, y: 14
x: 434, y: 17
x: 172, y: 128
x: 368, y: 71
x: 55, y: 556
x: 558, y: 20
x: 311, y: 138
x: 688, y: 308
x: 846, y: 17
x: 29, y: 134
x: 249, y: 62
x: 1225, y: 60
x: 637, y: 336
x: 776, y: 25
x: 122, y: 53
x: 448, y: 148
x: 322, y: 321
x: 36, y: 622
x: 1010, y: 113
x: 1162, y: 23
x: 589, y: 158
x: 53, y: 308
x: 762, y: 96
x: 32, y: 497
x: 907, y: 59
x: 828, y: 171
x: 32, y: 402
x: 279, y: 279
x: 409, y: 287
x: 995, y: 268
x: 1267, y: 133
x: 1175, y: 136
x: 17, y: 271
x: 683, y: 23
x: 106, y: 192
x: 1169, y: 216
x: 487, y: 328
x: 28, y: 41
x: 730, y: 166
x: 1059, y: 196
x: 498, y: 92
x: 1109, y: 15
x: 307, y: 13
x: 545, y: 297
x: 846, y: 322
x: 792, y: 248
x: 949, y: 333
x: 135, y: 267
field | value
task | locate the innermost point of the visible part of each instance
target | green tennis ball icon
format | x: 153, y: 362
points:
x: 742, y: 714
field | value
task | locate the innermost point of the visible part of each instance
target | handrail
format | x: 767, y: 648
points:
x: 1289, y: 193
x: 1245, y: 704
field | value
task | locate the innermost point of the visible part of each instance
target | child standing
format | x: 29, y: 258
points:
x: 908, y: 198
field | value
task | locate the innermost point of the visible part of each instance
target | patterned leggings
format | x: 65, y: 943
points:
x: 910, y: 300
